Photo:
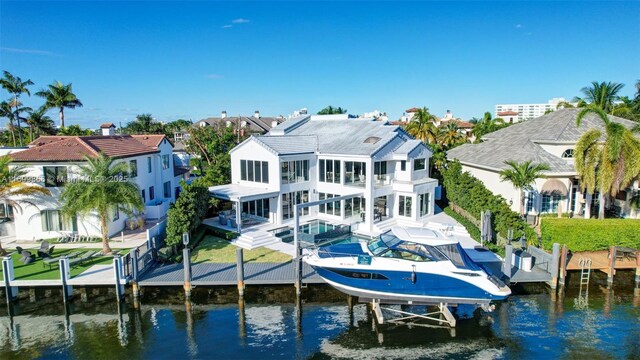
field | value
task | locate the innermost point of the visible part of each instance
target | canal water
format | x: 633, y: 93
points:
x: 214, y: 325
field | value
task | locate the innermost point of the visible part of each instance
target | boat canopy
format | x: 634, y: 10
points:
x: 422, y: 236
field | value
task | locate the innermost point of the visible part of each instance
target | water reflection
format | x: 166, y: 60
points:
x: 530, y: 326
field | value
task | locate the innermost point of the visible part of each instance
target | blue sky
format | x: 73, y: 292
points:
x: 194, y: 59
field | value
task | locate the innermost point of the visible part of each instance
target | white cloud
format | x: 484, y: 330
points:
x: 28, y: 51
x: 213, y: 76
x: 519, y: 26
x: 227, y: 26
x: 240, y: 21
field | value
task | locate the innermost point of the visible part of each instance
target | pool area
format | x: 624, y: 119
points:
x: 320, y: 233
x: 317, y: 227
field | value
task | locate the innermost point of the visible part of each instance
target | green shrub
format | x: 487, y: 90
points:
x: 470, y: 194
x: 221, y: 233
x: 473, y: 230
x: 590, y: 234
x: 187, y: 213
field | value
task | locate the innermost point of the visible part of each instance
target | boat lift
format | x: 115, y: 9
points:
x: 442, y: 316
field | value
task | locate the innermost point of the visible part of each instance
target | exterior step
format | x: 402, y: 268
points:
x: 254, y: 240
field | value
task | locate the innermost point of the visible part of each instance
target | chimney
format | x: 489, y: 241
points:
x: 256, y: 114
x: 108, y: 129
x: 223, y: 114
x: 274, y: 123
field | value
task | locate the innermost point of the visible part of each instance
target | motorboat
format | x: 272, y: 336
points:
x: 407, y: 265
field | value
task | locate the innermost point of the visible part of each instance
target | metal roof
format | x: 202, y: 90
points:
x: 236, y: 192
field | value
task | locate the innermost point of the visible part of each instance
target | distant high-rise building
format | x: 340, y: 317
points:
x: 512, y: 113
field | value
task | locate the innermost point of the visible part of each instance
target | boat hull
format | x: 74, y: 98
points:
x: 407, y: 286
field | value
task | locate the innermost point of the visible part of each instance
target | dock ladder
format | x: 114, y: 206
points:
x: 585, y: 270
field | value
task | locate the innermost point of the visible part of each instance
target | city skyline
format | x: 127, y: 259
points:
x: 194, y: 60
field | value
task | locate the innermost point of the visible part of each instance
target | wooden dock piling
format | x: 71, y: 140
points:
x: 506, y: 265
x: 186, y: 265
x: 563, y: 266
x: 67, y: 290
x: 612, y: 265
x: 7, y: 270
x: 555, y: 265
x: 240, y: 271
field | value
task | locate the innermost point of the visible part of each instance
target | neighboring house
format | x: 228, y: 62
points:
x: 382, y: 170
x: 549, y: 139
x: 246, y: 125
x: 53, y: 160
x: 509, y: 116
x: 464, y: 127
x: 408, y: 114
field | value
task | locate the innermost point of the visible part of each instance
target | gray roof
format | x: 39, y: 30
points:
x: 520, y: 142
x: 407, y: 147
x: 283, y: 145
x: 259, y: 125
x: 347, y: 136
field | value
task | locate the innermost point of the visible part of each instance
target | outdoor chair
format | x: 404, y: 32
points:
x: 81, y: 259
x: 43, y: 254
x: 50, y: 261
x: 44, y: 246
x: 19, y: 249
x: 27, y: 257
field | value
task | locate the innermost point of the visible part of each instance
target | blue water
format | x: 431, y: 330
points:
x: 524, y: 327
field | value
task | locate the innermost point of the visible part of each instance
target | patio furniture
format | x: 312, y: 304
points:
x: 222, y: 219
x: 19, y: 249
x: 43, y: 254
x: 81, y: 259
x: 27, y: 257
x: 44, y: 246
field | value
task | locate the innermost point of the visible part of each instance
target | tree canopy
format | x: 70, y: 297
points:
x: 329, y: 110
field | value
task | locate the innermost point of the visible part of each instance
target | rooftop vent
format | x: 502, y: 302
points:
x: 371, y: 140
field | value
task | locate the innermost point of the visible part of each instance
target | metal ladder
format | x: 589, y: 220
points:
x: 585, y: 270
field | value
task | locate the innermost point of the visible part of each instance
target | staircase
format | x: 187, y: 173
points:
x: 384, y: 225
x: 251, y: 239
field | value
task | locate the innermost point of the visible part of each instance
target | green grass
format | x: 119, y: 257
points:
x: 215, y: 249
x: 36, y: 271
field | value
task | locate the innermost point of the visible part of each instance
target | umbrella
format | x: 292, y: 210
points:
x: 486, y: 226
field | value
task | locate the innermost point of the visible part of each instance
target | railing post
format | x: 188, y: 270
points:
x: 67, y: 290
x: 240, y: 271
x: 7, y: 271
x: 117, y: 273
x: 154, y: 250
x: 506, y: 265
x: 134, y: 273
x: 186, y: 262
x: 563, y: 264
x: 555, y: 261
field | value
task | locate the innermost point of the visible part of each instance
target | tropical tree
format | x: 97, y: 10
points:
x: 488, y: 124
x: 329, y: 110
x: 144, y: 124
x: 102, y: 188
x: 601, y: 95
x: 39, y: 123
x: 422, y: 126
x: 522, y: 176
x: 59, y: 96
x: 211, y: 145
x: 449, y: 136
x: 7, y: 112
x: 13, y: 191
x: 74, y: 130
x: 611, y: 165
x: 16, y: 87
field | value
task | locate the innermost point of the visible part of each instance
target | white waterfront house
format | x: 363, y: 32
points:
x: 383, y: 172
x: 549, y: 139
x: 52, y: 160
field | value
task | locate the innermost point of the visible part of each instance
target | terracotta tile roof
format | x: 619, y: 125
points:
x: 506, y: 113
x: 460, y: 123
x: 399, y: 123
x: 75, y: 148
x: 107, y: 125
x: 412, y: 110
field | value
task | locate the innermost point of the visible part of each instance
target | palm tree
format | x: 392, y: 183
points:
x: 6, y: 111
x: 39, y: 123
x: 96, y: 192
x: 522, y: 176
x: 13, y: 191
x: 422, y: 126
x: 74, y: 130
x: 450, y: 136
x: 59, y: 96
x: 611, y: 165
x: 487, y: 125
x: 600, y: 95
x: 16, y: 87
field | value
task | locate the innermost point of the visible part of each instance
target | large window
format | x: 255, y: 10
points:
x: 355, y: 173
x: 256, y: 171
x: 404, y: 208
x: 354, y: 207
x: 380, y: 168
x: 419, y: 164
x: 530, y: 201
x: 165, y: 162
x: 256, y: 207
x: 331, y: 208
x: 149, y: 168
x: 329, y: 171
x: 133, y: 168
x: 55, y: 176
x: 289, y: 200
x: 166, y: 187
x: 550, y: 203
x: 423, y: 200
x: 152, y: 193
x: 295, y: 171
x: 53, y: 220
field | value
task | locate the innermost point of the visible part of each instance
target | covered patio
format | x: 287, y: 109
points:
x: 251, y: 205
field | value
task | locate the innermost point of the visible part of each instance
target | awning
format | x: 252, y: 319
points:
x: 554, y: 187
x: 235, y: 192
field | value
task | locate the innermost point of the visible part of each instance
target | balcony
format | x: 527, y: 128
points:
x: 156, y: 209
x: 351, y: 179
x: 381, y: 180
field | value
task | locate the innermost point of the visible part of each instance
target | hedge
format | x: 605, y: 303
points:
x: 470, y: 194
x: 221, y: 233
x: 591, y: 234
x: 473, y: 230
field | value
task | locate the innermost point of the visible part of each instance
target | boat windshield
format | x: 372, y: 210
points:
x: 390, y: 246
x: 458, y: 256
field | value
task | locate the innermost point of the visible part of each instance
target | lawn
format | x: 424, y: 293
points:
x: 36, y: 270
x: 215, y: 249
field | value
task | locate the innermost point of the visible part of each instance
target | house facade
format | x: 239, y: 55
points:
x: 549, y: 139
x: 51, y: 161
x: 379, y: 168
